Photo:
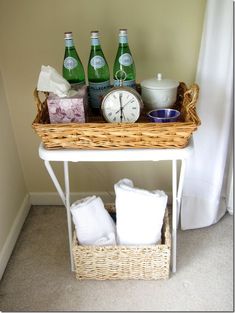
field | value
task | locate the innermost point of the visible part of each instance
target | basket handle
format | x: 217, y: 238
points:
x: 40, y: 104
x: 189, y: 102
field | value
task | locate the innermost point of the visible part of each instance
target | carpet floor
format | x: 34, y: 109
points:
x: 38, y: 276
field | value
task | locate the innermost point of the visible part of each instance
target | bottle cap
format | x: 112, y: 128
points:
x: 68, y: 35
x: 123, y: 32
x: 94, y: 34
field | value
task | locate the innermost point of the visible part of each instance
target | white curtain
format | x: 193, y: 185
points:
x: 206, y: 187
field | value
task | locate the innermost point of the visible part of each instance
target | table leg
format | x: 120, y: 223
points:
x: 174, y: 214
x: 55, y: 181
x: 180, y: 188
x: 67, y: 205
x: 65, y: 197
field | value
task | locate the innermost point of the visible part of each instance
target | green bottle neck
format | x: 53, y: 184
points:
x: 123, y: 40
x: 69, y: 43
x: 95, y: 42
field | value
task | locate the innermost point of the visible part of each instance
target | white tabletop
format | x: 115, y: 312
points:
x: 77, y: 155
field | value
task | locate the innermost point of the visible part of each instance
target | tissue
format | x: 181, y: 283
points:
x: 51, y: 81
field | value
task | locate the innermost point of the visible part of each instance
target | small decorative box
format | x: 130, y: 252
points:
x: 68, y: 109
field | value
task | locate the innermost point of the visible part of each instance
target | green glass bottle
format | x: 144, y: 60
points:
x: 124, y: 66
x: 73, y: 70
x: 98, y: 73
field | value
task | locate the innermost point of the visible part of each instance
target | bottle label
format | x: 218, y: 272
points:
x: 97, y: 92
x: 125, y: 59
x: 97, y: 62
x: 70, y: 63
x: 127, y: 83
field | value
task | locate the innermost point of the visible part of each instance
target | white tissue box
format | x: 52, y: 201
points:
x: 68, y: 109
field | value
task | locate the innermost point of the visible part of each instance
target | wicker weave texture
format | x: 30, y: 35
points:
x: 97, y: 134
x: 150, y: 262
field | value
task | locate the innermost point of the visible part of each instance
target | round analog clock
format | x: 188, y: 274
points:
x: 121, y: 105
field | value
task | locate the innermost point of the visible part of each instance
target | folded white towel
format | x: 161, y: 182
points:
x: 93, y: 224
x: 108, y: 240
x: 139, y: 213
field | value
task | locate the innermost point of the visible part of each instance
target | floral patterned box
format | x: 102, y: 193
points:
x: 68, y: 109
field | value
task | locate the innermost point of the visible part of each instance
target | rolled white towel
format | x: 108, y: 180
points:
x: 140, y: 214
x: 108, y: 240
x: 93, y: 224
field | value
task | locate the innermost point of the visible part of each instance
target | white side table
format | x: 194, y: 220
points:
x: 72, y: 155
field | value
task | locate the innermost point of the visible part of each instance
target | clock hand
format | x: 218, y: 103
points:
x: 126, y: 103
x: 123, y: 115
x: 120, y: 101
x: 121, y: 108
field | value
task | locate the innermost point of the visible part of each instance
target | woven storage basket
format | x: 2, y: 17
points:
x: 148, y: 262
x: 97, y: 134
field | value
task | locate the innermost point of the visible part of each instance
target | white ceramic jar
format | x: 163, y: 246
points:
x: 158, y: 93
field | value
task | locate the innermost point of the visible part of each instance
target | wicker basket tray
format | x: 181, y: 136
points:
x: 97, y: 134
x: 148, y: 262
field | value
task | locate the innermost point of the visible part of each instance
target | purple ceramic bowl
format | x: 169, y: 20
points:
x: 163, y: 115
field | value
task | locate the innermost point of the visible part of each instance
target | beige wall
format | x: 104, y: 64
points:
x: 164, y: 36
x: 12, y: 186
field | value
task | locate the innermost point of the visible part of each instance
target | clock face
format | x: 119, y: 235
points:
x: 120, y: 106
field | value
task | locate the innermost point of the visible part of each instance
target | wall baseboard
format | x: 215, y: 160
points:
x: 52, y: 198
x: 12, y: 237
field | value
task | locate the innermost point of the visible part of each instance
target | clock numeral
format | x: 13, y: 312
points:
x: 134, y: 108
x: 110, y: 113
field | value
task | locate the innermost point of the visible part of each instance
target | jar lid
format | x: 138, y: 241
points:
x: 159, y: 83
